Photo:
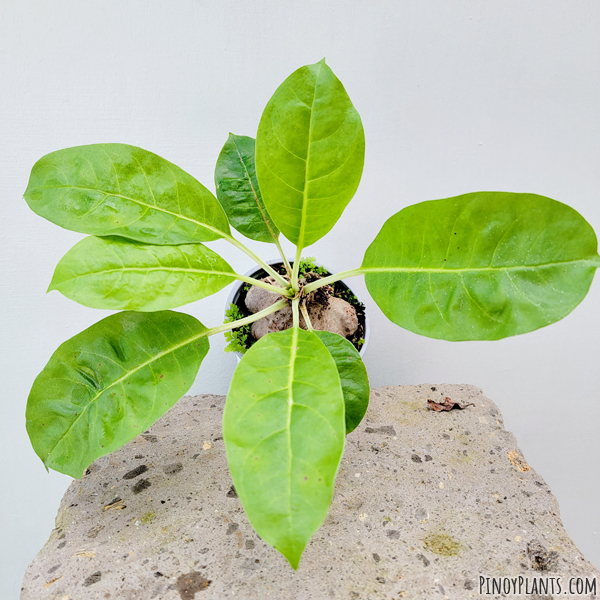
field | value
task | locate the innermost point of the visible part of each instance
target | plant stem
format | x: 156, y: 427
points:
x: 256, y: 258
x: 294, y: 280
x: 331, y: 279
x: 267, y: 286
x: 295, y: 314
x: 286, y: 262
x: 246, y: 320
x: 304, y: 312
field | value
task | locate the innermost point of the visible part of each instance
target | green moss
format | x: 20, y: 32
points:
x: 237, y: 338
x: 442, y: 544
x: 308, y: 265
x: 148, y: 518
x: 348, y: 296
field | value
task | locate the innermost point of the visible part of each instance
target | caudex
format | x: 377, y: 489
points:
x: 479, y: 266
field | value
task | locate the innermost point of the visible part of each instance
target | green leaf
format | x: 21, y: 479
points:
x: 115, y: 189
x: 284, y: 435
x: 107, y: 384
x: 353, y: 376
x: 481, y: 266
x: 238, y: 191
x: 310, y: 150
x: 115, y: 273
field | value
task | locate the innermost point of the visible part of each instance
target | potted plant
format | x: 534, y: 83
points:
x: 480, y: 266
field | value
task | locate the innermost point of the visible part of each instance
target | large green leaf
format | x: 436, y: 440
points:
x: 116, y: 273
x: 310, y: 151
x: 353, y: 376
x: 238, y: 191
x: 481, y: 266
x: 284, y: 435
x: 116, y: 189
x: 109, y: 383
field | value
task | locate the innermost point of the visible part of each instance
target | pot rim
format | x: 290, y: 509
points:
x: 238, y: 284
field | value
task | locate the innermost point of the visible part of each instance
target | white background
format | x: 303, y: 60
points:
x: 455, y: 97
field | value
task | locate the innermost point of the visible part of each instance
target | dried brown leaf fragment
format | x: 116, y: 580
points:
x: 447, y: 404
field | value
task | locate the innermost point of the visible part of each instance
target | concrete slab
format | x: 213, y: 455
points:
x: 426, y: 503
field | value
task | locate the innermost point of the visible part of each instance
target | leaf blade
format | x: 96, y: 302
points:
x: 117, y: 189
x: 353, y: 376
x: 238, y: 191
x: 309, y: 153
x: 117, y: 274
x: 107, y: 384
x: 284, y: 436
x: 481, y: 266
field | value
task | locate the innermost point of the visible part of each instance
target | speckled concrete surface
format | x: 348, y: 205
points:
x: 425, y: 504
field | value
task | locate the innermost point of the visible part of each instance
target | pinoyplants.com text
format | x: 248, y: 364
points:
x: 576, y: 586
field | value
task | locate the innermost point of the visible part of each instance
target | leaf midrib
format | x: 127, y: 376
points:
x: 147, y: 270
x: 261, y: 209
x: 306, y: 166
x: 582, y: 261
x: 289, y: 417
x: 150, y: 206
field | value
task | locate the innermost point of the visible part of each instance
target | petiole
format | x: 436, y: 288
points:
x: 315, y: 285
x: 246, y: 320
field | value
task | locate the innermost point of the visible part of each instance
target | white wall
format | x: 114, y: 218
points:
x: 455, y: 97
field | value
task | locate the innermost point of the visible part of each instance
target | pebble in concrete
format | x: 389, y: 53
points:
x: 425, y: 503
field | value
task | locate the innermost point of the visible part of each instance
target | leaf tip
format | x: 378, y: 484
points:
x: 292, y: 552
x: 294, y: 560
